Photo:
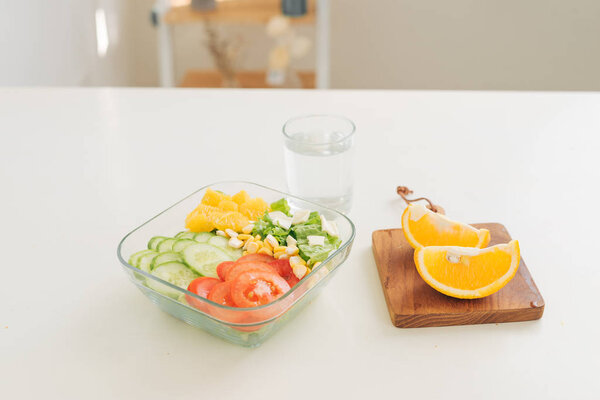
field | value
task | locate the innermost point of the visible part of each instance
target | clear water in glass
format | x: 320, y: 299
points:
x: 318, y: 155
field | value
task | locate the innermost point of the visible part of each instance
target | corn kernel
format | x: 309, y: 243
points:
x: 257, y: 237
x: 296, y: 260
x: 291, y: 250
x: 283, y: 257
x: 231, y: 233
x: 272, y: 241
x: 266, y: 251
x: 244, y: 237
x: 279, y: 248
x: 267, y: 245
x: 221, y: 233
x: 252, y: 247
x: 278, y: 254
x: 248, y: 229
x: 290, y: 241
x: 300, y: 271
x: 244, y: 252
x: 235, y: 243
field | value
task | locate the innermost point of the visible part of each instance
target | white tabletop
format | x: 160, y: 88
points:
x: 80, y: 167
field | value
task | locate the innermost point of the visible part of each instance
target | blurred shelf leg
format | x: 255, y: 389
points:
x: 322, y: 45
x: 165, y: 45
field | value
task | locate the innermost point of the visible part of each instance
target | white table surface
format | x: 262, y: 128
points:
x: 81, y: 167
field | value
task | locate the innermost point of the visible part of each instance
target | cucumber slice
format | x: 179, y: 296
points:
x: 155, y: 241
x: 223, y: 244
x: 235, y: 253
x: 185, y: 235
x: 163, y: 258
x: 219, y: 241
x: 175, y: 273
x: 204, y: 258
x: 181, y: 244
x: 135, y: 257
x: 203, y: 237
x: 146, y: 260
x: 166, y: 245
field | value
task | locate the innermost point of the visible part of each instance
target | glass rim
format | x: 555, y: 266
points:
x: 333, y: 116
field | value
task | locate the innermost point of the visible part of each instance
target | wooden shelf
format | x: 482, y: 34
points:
x: 247, y: 79
x: 237, y: 11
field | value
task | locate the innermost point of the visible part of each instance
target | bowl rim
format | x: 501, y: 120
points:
x: 343, y: 246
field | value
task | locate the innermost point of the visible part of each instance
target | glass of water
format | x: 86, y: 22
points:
x: 318, y: 158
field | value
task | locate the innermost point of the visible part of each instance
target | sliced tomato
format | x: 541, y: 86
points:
x: 201, y: 287
x: 248, y: 328
x: 255, y: 288
x: 256, y: 257
x: 240, y: 267
x: 221, y: 294
x: 292, y: 280
x: 223, y: 267
x: 285, y: 271
x: 283, y: 268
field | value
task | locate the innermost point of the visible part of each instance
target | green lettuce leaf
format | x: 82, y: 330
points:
x: 303, y: 231
x: 265, y: 226
x: 312, y: 227
x: 313, y: 219
x: 281, y: 205
x: 262, y: 225
x: 313, y: 254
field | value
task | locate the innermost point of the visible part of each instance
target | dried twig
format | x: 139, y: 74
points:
x: 224, y: 52
x: 403, y: 191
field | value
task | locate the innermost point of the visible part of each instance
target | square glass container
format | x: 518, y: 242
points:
x: 248, y: 327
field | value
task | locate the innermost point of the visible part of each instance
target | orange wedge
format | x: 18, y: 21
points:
x: 213, y: 197
x: 232, y: 220
x: 199, y: 221
x: 467, y: 272
x: 422, y: 227
x: 254, y: 208
x: 218, y: 210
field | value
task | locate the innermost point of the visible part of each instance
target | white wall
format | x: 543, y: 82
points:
x: 392, y: 44
x: 433, y: 44
x: 466, y: 44
x: 53, y: 42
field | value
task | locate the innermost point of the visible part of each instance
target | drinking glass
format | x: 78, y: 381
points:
x: 318, y: 157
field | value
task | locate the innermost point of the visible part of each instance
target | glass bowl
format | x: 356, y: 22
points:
x: 247, y: 327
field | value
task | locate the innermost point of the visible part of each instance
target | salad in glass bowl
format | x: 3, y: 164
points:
x: 247, y: 260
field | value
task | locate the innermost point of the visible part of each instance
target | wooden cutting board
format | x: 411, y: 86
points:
x: 412, y: 303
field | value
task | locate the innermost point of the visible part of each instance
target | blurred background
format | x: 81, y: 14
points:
x: 378, y: 44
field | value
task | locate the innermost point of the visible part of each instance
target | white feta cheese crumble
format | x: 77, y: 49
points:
x: 316, y: 240
x: 300, y: 216
x: 329, y: 226
x: 281, y: 219
x: 333, y: 229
